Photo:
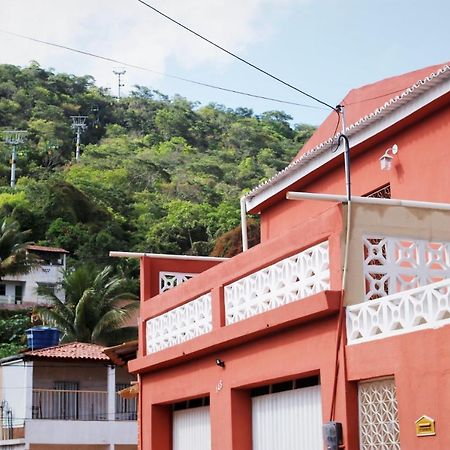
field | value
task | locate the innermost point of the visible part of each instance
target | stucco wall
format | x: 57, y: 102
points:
x: 14, y: 387
x: 420, y: 172
x: 396, y: 221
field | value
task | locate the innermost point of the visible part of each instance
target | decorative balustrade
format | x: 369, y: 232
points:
x: 378, y: 415
x: 57, y: 404
x: 393, y: 264
x: 168, y: 280
x: 180, y: 324
x: 417, y: 309
x: 286, y: 281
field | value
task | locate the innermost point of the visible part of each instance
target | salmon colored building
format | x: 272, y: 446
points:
x: 341, y: 313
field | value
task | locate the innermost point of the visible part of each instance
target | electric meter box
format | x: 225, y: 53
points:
x: 332, y: 435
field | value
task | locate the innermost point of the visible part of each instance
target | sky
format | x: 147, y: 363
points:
x: 323, y: 47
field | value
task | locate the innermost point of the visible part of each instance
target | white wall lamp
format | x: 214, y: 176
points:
x: 386, y: 159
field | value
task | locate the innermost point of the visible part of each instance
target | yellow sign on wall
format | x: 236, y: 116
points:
x: 425, y: 426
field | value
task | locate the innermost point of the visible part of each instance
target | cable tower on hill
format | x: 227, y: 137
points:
x: 79, y: 125
x: 14, y: 138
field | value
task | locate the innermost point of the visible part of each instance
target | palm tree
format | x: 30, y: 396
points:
x: 14, y: 257
x: 95, y: 310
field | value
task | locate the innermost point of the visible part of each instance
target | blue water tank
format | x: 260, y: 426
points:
x: 42, y: 337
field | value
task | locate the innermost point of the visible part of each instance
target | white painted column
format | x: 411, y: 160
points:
x: 111, y: 377
x: 28, y: 384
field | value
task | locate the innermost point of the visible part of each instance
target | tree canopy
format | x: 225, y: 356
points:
x: 96, y: 309
x: 157, y: 173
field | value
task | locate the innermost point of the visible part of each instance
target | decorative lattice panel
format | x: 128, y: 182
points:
x: 180, y: 324
x: 413, y: 310
x: 291, y: 279
x: 378, y: 415
x: 394, y: 264
x: 168, y: 280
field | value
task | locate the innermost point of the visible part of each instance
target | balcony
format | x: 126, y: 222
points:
x: 270, y: 287
x: 296, y: 278
x: 56, y: 404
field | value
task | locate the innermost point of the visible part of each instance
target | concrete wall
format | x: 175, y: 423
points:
x: 48, y: 432
x: 15, y: 384
x: 90, y: 376
x: 45, y: 273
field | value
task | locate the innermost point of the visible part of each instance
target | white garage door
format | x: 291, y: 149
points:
x: 192, y: 429
x: 289, y: 420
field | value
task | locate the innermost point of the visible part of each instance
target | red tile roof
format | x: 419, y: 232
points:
x: 363, y: 105
x: 41, y: 248
x: 73, y: 350
x: 360, y: 102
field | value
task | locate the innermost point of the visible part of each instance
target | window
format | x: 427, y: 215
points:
x: 49, y: 258
x: 381, y: 192
x: 193, y: 403
x: 2, y: 289
x: 18, y: 293
x: 285, y: 386
x: 49, y: 287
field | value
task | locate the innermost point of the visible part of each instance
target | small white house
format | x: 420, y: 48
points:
x: 21, y: 291
x: 65, y: 397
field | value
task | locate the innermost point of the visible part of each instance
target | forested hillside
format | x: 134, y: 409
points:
x: 156, y: 174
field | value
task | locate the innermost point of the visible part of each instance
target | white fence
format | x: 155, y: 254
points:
x: 67, y: 404
x: 424, y: 307
x: 180, y: 324
x: 286, y: 281
x: 56, y: 404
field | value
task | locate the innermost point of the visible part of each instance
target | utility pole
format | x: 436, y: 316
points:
x: 14, y: 138
x: 79, y: 125
x: 119, y: 72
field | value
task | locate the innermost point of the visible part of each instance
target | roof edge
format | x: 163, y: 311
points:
x: 314, y: 157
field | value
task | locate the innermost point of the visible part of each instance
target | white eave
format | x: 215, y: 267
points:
x: 396, y: 109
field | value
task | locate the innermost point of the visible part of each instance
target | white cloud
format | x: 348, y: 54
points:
x: 127, y: 30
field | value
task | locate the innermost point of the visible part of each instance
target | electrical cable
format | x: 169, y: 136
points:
x: 334, y: 132
x: 146, y: 69
x: 374, y: 98
x: 265, y: 72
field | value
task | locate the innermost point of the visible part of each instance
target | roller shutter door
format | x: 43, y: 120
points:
x: 192, y: 429
x: 290, y: 420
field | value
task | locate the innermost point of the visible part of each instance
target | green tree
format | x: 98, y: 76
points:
x: 14, y: 257
x: 95, y: 310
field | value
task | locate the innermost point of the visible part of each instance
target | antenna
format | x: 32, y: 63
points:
x: 79, y: 125
x: 119, y: 72
x: 14, y: 138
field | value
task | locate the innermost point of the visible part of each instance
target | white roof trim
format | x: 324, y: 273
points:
x: 115, y: 254
x: 397, y: 108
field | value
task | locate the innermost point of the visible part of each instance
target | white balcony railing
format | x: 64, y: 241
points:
x: 286, y: 281
x: 168, y: 280
x: 126, y: 408
x: 396, y: 264
x: 57, y: 404
x: 180, y: 324
x: 413, y: 310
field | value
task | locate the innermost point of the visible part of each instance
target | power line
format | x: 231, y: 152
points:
x: 377, y: 96
x: 265, y: 72
x: 146, y: 69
